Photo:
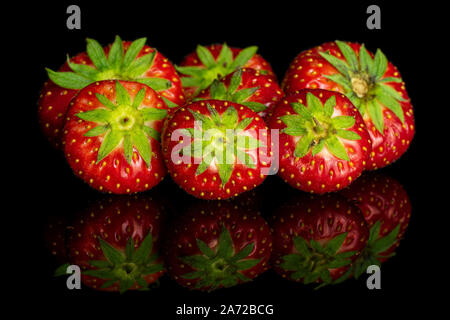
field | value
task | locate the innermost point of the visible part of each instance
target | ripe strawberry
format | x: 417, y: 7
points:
x: 387, y: 210
x: 55, y: 237
x: 224, y: 149
x: 248, y: 87
x: 209, y: 63
x: 371, y: 82
x: 316, y: 238
x: 116, y: 244
x: 112, y: 136
x: 323, y: 142
x: 215, y: 244
x: 122, y: 60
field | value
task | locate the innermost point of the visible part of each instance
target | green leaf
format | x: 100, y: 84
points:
x: 314, y: 103
x: 142, y: 144
x: 303, y: 146
x: 243, y: 57
x: 247, y: 264
x: 144, y: 250
x: 99, y: 273
x: 150, y: 114
x: 341, y: 80
x: 301, y: 245
x: 316, y: 246
x: 193, y: 71
x: 169, y: 103
x: 336, y: 148
x: 97, y: 131
x: 157, y: 84
x: 365, y: 61
x: 292, y: 262
x: 214, y: 114
x: 380, y: 62
x: 255, y: 106
x: 152, y: 133
x: 343, y: 122
x: 198, y: 262
x: 61, y: 270
x: 218, y: 90
x: 100, y: 264
x: 298, y: 275
x: 84, y: 70
x: 105, y: 101
x: 336, y: 243
x: 108, y: 283
x: 390, y: 79
x: 393, y: 105
x: 225, y: 247
x: 247, y: 142
x: 127, y: 148
x: 129, y: 248
x: 318, y: 147
x: 349, y: 135
x: 241, y: 277
x: 387, y: 241
x: 349, y: 54
x: 205, y: 56
x: 68, y: 80
x: 193, y: 275
x: 244, y: 94
x: 122, y: 96
x: 109, y: 143
x: 125, y: 285
x: 329, y: 106
x: 202, y: 166
x: 374, y: 231
x: 245, y: 252
x: 388, y: 90
x: 225, y: 171
x: 339, y: 64
x: 96, y: 115
x: 132, y: 52
x: 325, y: 276
x: 235, y: 81
x: 153, y: 269
x: 115, y: 55
x: 205, y: 249
x: 243, y: 124
x: 225, y: 57
x: 376, y: 114
x: 245, y: 158
x: 96, y: 54
x: 138, y: 98
x: 230, y: 118
x: 140, y: 65
x: 301, y: 110
x: 111, y: 254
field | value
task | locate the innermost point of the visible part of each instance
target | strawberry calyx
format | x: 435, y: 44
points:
x: 220, y: 267
x: 317, y: 128
x: 212, y: 69
x: 219, y: 91
x: 118, y: 65
x: 363, y: 82
x: 126, y: 267
x: 124, y: 123
x: 313, y: 260
x: 220, y: 141
x: 375, y: 249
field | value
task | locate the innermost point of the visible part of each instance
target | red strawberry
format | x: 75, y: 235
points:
x: 371, y: 82
x: 112, y: 134
x: 121, y: 60
x: 116, y: 244
x: 323, y: 142
x: 209, y: 63
x: 215, y: 244
x: 387, y: 210
x: 55, y: 237
x: 316, y: 238
x: 224, y: 149
x: 248, y: 87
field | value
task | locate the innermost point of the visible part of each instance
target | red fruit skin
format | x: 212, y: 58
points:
x: 115, y: 220
x: 208, y: 184
x: 54, y: 100
x: 381, y: 198
x: 257, y: 62
x: 204, y: 221
x: 55, y: 237
x: 320, y: 218
x: 269, y: 92
x: 308, y: 70
x: 318, y: 174
x: 113, y: 174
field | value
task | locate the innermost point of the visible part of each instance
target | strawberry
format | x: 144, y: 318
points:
x: 215, y: 244
x: 387, y: 210
x: 323, y: 142
x: 209, y: 63
x: 112, y: 134
x: 371, y: 82
x: 122, y: 60
x: 216, y: 149
x: 116, y: 242
x: 248, y: 87
x: 316, y: 238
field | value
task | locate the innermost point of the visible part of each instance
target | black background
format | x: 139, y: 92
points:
x: 281, y: 30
